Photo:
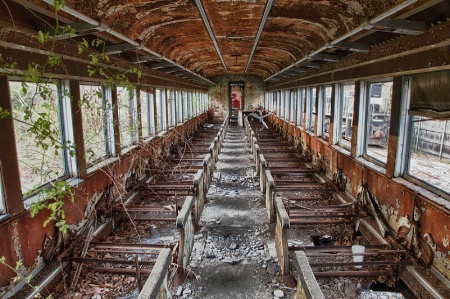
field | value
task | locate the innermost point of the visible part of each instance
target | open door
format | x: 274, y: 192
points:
x: 236, y: 102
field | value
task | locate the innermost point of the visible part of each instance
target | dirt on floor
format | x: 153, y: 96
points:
x: 234, y: 253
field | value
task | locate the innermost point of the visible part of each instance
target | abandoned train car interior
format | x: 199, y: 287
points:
x: 225, y: 149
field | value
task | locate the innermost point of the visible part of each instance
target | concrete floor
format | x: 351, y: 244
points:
x: 234, y: 255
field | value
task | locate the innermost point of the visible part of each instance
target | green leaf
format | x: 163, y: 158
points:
x: 4, y: 113
x: 41, y: 37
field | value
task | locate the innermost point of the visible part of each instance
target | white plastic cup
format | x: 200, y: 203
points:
x: 358, y: 256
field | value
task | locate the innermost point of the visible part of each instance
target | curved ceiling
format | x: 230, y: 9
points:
x: 267, y: 38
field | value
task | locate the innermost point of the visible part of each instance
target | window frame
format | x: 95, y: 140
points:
x: 179, y: 107
x: 108, y: 120
x: 407, y: 160
x: 339, y: 101
x: 66, y: 130
x: 299, y: 108
x: 144, y: 98
x: 322, y: 112
x: 184, y: 102
x: 131, y: 127
x: 292, y: 105
x: 311, y: 99
x: 171, y: 113
x: 405, y: 144
x: 366, y: 124
x: 159, y: 109
x: 3, y: 210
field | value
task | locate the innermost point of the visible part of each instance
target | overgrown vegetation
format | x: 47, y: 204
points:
x: 36, y: 102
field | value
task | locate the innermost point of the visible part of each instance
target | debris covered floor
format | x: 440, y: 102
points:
x: 234, y: 255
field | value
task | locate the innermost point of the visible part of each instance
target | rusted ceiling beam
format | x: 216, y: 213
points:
x: 326, y: 57
x: 79, y: 29
x: 310, y: 64
x: 160, y: 65
x: 121, y: 36
x: 400, y: 26
x: 342, y: 39
x: 262, y: 23
x: 120, y: 48
x: 205, y: 19
x: 352, y: 46
x: 144, y: 58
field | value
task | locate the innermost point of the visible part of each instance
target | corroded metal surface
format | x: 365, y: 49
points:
x: 175, y: 29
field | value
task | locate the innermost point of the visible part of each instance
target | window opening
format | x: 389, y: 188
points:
x: 159, y: 109
x: 180, y: 108
x: 429, y: 152
x: 145, y: 113
x: 326, y: 112
x: 127, y: 123
x: 196, y: 103
x: 293, y: 105
x: 299, y: 107
x: 378, y: 116
x: 38, y: 133
x: 93, y: 117
x: 170, y: 107
x: 236, y: 99
x: 189, y: 104
x: 2, y: 196
x: 346, y: 106
x: 184, y: 94
x: 311, y: 109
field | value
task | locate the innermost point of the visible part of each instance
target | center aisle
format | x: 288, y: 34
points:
x: 234, y: 255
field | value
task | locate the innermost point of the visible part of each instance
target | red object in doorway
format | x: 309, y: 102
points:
x: 235, y: 103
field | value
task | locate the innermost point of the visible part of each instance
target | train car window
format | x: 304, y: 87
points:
x: 195, y: 103
x: 189, y: 104
x: 145, y: 113
x: 126, y: 101
x: 199, y: 102
x: 94, y: 113
x: 271, y: 101
x: 325, y: 115
x: 201, y: 97
x: 287, y: 105
x: 180, y: 108
x: 185, y: 104
x: 266, y: 100
x: 378, y: 116
x: 2, y: 196
x: 429, y: 152
x: 171, y: 107
x: 298, y: 108
x: 345, y: 115
x: 281, y: 103
x: 205, y: 95
x: 38, y: 126
x: 159, y: 110
x: 311, y: 110
x: 278, y: 102
x: 191, y: 101
x: 153, y: 113
x: 293, y: 105
x: 302, y: 108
